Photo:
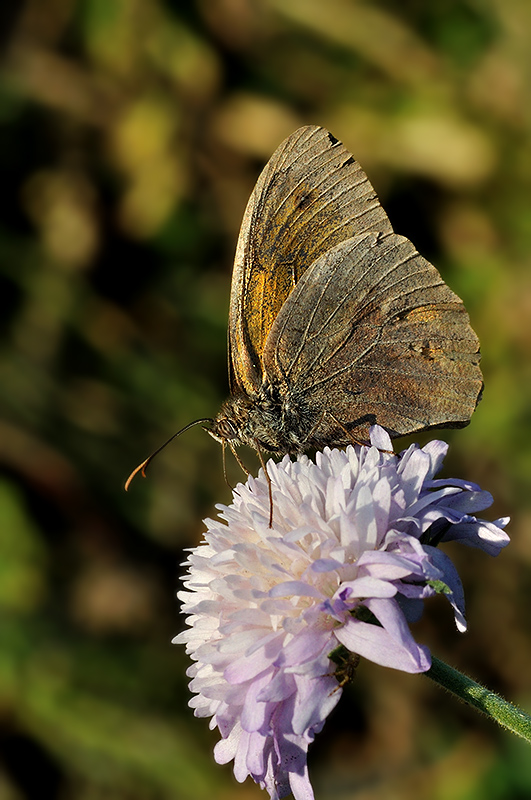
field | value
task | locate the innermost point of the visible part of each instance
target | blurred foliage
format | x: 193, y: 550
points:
x: 131, y: 134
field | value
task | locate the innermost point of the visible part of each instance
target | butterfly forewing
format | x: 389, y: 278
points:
x: 311, y: 195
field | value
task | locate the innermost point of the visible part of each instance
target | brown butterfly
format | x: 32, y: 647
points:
x: 336, y: 322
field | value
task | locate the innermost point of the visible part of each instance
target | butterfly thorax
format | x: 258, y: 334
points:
x: 270, y: 420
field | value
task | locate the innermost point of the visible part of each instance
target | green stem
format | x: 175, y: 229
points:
x: 505, y: 714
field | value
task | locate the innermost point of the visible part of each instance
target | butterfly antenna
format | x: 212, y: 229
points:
x: 144, y: 465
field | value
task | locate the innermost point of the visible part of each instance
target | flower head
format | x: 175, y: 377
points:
x: 350, y: 558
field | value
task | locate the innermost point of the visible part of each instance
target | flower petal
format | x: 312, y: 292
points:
x: 391, y: 645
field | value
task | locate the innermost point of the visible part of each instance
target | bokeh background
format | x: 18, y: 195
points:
x: 131, y: 134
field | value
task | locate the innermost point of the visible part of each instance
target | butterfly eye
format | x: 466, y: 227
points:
x: 226, y: 429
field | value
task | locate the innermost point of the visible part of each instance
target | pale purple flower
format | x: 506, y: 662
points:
x: 350, y: 558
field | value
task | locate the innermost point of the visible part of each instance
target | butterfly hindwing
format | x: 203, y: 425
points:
x: 372, y: 333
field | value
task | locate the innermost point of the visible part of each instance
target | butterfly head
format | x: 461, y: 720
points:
x: 231, y: 421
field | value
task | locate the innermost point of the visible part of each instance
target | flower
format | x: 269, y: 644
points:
x: 350, y: 557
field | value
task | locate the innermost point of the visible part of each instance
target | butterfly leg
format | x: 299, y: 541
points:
x: 244, y: 469
x: 349, y: 435
x: 353, y: 438
x: 236, y: 456
x: 268, y: 479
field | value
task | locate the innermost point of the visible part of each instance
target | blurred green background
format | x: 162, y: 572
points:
x: 131, y: 134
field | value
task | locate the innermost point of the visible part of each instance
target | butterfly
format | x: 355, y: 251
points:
x: 336, y: 322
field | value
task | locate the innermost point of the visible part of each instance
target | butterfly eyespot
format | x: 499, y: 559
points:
x: 303, y: 201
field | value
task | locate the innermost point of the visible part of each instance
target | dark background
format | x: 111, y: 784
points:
x: 131, y: 134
